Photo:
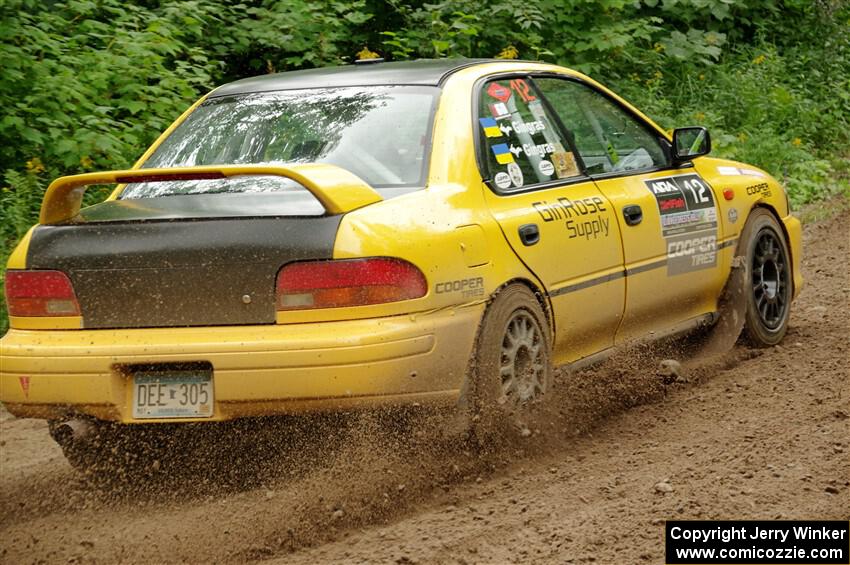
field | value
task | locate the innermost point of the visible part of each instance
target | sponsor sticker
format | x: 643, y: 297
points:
x: 762, y: 188
x: 503, y: 154
x: 528, y: 127
x: 752, y: 173
x: 499, y: 110
x: 516, y: 174
x: 586, y: 218
x: 674, y: 203
x: 532, y: 149
x: 735, y: 171
x: 688, y: 221
x: 691, y: 252
x: 536, y: 109
x: 469, y: 288
x: 499, y: 92
x: 546, y: 167
x: 502, y: 180
x: 565, y: 164
x: 733, y: 215
x: 491, y: 128
x: 694, y: 220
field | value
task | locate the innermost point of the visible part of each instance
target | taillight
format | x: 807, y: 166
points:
x: 348, y: 282
x: 40, y: 293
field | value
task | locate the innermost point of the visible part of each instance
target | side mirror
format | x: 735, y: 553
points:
x: 690, y: 142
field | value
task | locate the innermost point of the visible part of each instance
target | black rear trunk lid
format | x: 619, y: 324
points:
x: 170, y: 262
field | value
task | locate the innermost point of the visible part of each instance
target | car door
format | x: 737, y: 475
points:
x: 667, y: 215
x: 555, y: 218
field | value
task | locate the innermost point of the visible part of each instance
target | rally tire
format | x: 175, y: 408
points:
x: 511, y: 370
x: 768, y: 279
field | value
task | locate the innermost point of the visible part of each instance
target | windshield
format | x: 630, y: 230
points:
x: 380, y: 134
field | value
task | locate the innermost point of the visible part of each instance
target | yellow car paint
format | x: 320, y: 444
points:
x: 18, y: 258
x: 645, y: 255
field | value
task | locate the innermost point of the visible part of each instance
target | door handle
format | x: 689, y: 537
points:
x: 529, y: 234
x: 632, y: 214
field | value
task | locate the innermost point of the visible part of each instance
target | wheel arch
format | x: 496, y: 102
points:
x: 541, y: 296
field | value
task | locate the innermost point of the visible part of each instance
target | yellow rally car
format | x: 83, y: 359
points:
x: 432, y: 232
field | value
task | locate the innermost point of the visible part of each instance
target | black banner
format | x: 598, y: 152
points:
x: 748, y: 542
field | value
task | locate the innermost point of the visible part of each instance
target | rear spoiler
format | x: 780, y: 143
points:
x: 337, y: 189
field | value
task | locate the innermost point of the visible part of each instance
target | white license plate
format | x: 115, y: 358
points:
x: 172, y: 394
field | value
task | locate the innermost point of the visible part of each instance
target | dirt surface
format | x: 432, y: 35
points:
x: 745, y: 435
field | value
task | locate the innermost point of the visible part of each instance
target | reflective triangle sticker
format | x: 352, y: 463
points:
x: 25, y: 385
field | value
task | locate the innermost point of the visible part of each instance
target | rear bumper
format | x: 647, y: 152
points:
x: 794, y: 229
x: 257, y: 370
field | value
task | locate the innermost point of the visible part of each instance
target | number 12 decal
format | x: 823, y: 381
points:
x: 521, y: 87
x: 697, y: 189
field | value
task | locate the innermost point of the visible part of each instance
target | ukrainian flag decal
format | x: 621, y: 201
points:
x: 503, y: 154
x: 491, y: 128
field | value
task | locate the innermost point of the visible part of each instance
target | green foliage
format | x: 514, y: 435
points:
x: 260, y: 37
x: 89, y: 84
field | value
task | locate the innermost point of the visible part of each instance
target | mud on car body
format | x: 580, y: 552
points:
x: 352, y: 237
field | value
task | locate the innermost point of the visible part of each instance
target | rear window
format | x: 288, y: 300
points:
x: 380, y: 134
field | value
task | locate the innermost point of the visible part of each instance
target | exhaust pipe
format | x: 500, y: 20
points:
x: 71, y: 432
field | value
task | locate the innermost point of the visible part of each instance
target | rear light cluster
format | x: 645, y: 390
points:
x: 40, y: 293
x: 348, y: 282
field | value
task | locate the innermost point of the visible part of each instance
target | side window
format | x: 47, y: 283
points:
x: 522, y: 144
x: 607, y: 138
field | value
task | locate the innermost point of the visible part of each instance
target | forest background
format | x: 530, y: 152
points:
x: 88, y: 84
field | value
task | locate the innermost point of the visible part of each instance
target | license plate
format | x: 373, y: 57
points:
x: 172, y: 394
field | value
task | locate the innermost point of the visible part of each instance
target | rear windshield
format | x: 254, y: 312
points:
x: 380, y: 134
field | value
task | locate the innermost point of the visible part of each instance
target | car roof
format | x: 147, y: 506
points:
x: 422, y: 72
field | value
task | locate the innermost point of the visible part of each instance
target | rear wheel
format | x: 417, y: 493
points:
x: 511, y: 371
x: 768, y: 279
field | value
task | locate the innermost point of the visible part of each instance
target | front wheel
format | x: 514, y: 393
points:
x: 511, y: 371
x: 768, y: 279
